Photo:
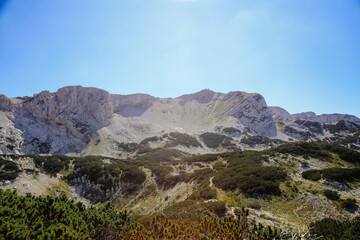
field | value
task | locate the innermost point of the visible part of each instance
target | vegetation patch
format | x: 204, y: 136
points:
x: 176, y: 138
x: 347, y: 140
x: 232, y: 131
x: 160, y: 155
x: 149, y: 139
x: 209, y: 227
x: 333, y: 174
x: 349, y: 204
x: 214, y: 140
x: 342, y: 126
x: 344, y: 153
x: 329, y: 228
x: 297, y: 133
x: 313, y: 150
x: 51, y: 164
x: 318, y: 151
x: 166, y: 180
x: 246, y: 173
x: 316, y: 127
x: 8, y: 170
x: 205, y: 158
x: 30, y: 217
x: 95, y: 170
x: 332, y: 195
x: 127, y: 147
x: 255, y: 140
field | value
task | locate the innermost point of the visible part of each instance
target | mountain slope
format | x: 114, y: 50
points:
x: 289, y: 186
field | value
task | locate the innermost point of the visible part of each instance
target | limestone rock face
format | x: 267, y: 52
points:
x: 252, y: 111
x: 10, y: 137
x: 64, y: 121
x: 92, y: 121
x: 5, y: 103
x: 281, y: 114
x: 85, y: 104
x: 327, y: 118
x: 133, y: 105
x: 94, y: 192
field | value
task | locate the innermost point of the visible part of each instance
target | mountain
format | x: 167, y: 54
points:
x: 91, y: 121
x: 197, y: 159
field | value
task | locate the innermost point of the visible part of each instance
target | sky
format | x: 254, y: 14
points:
x: 302, y: 55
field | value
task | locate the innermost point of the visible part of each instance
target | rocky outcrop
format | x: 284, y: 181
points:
x: 5, y: 103
x: 327, y: 118
x: 64, y: 121
x: 252, y: 111
x: 94, y: 192
x: 281, y: 114
x: 133, y: 105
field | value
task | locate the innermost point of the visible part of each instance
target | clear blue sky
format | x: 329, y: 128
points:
x: 302, y: 55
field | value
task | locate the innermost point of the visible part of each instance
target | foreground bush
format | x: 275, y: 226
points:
x: 329, y: 228
x: 30, y: 217
x: 207, y: 228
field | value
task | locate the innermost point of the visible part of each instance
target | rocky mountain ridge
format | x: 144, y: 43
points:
x: 91, y: 121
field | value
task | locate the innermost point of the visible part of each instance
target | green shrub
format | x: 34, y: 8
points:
x: 246, y: 173
x: 341, y: 174
x: 202, y: 158
x: 345, y: 153
x: 349, y: 204
x: 176, y: 138
x: 10, y: 166
x: 312, y: 126
x: 108, y: 175
x: 254, y: 205
x: 38, y: 160
x: 217, y: 207
x: 127, y: 147
x: 9, y: 170
x: 30, y: 217
x: 333, y: 174
x: 254, y: 140
x: 53, y: 165
x: 335, y: 128
x: 149, y: 139
x: 8, y: 175
x: 213, y: 140
x: 332, y: 195
x: 319, y: 151
x: 329, y: 228
x: 203, y: 193
x: 304, y: 149
x: 160, y: 155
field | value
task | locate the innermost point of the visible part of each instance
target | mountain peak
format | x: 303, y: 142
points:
x: 204, y: 96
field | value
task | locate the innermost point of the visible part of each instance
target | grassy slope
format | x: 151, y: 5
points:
x: 193, y: 186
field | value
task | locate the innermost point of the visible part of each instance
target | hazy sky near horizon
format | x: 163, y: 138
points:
x: 302, y: 55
